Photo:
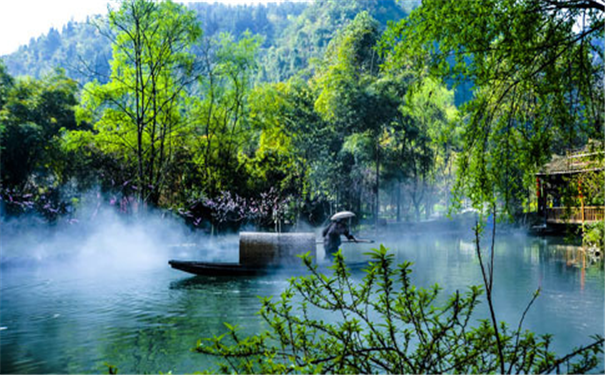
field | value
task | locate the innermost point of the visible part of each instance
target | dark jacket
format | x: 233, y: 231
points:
x: 332, y: 233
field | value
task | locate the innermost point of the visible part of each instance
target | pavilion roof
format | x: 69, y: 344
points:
x: 584, y: 160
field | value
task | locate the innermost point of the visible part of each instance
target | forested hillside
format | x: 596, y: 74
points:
x: 84, y: 52
x: 292, y: 34
x: 78, y: 48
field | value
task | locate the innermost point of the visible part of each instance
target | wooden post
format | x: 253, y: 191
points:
x: 581, y: 206
x: 539, y: 196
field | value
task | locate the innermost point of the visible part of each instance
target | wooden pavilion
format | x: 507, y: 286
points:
x: 563, y: 178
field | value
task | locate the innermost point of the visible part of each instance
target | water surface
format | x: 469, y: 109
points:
x: 74, y: 316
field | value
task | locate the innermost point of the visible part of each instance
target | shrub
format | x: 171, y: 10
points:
x: 385, y: 325
x: 594, y: 234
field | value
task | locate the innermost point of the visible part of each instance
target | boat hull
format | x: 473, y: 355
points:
x: 218, y: 269
x: 236, y: 269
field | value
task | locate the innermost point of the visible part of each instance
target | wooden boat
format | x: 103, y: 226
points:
x: 219, y: 269
x: 236, y: 269
x: 260, y: 254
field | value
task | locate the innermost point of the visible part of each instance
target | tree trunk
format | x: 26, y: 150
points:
x: 398, y: 193
x: 428, y: 203
x: 377, y: 187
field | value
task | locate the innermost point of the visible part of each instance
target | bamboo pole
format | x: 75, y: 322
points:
x: 581, y: 206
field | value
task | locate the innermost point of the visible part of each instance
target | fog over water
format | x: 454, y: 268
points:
x: 108, y: 239
x: 74, y: 296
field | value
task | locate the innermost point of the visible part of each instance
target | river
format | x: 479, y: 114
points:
x: 75, y: 315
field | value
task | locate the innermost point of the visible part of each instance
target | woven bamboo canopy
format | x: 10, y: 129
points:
x: 580, y: 161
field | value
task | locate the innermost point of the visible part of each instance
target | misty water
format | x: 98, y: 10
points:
x: 110, y: 297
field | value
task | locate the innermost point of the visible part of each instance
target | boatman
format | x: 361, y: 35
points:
x: 331, y: 234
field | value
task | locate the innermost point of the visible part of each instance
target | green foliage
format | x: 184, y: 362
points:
x: 6, y: 83
x: 537, y: 69
x: 275, y: 160
x: 179, y: 117
x: 383, y: 324
x: 346, y: 71
x: 420, y: 147
x: 350, y: 100
x: 175, y: 118
x: 137, y: 114
x: 294, y: 33
x: 219, y: 114
x: 292, y: 144
x: 111, y: 369
x: 82, y: 49
x: 594, y: 235
x: 79, y: 48
x: 33, y: 118
x: 307, y: 36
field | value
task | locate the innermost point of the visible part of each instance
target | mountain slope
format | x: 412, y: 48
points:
x: 294, y: 34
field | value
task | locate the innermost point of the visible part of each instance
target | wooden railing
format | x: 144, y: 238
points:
x: 573, y: 215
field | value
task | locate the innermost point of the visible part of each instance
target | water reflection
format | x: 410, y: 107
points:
x: 208, y: 283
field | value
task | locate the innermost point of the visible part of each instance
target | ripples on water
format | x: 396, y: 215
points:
x: 66, y: 317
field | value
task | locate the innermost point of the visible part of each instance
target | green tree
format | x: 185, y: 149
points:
x: 275, y: 162
x: 308, y: 35
x: 299, y: 142
x: 219, y: 114
x: 424, y: 142
x: 33, y: 118
x: 537, y: 71
x: 6, y: 83
x: 350, y: 98
x: 137, y: 113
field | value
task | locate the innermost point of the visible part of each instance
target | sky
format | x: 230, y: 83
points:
x: 21, y: 20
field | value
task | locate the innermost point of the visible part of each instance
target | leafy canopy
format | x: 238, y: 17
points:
x: 537, y: 71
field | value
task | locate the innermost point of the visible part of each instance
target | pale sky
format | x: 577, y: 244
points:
x: 21, y: 20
